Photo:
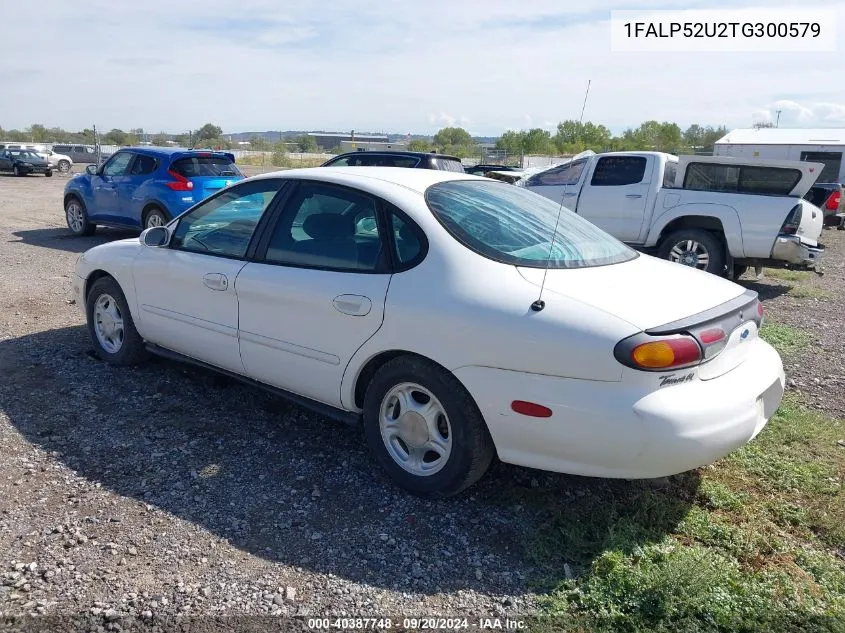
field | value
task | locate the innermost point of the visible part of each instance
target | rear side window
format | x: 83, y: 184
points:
x: 616, y: 171
x: 670, y: 173
x: 144, y: 165
x: 196, y: 166
x: 741, y: 178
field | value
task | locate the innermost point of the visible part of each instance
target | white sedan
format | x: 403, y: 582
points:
x: 455, y: 317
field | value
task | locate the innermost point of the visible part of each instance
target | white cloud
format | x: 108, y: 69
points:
x: 349, y: 65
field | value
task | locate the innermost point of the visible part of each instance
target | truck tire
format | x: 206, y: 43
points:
x: 696, y: 248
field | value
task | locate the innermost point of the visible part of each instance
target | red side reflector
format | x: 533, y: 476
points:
x: 759, y: 309
x: 531, y: 409
x: 712, y: 335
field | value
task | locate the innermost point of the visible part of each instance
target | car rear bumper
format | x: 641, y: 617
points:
x: 607, y: 429
x: 790, y: 249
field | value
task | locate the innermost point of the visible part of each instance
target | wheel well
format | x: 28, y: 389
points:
x: 94, y: 276
x: 149, y: 207
x: 374, y: 364
x: 705, y: 222
x: 73, y: 196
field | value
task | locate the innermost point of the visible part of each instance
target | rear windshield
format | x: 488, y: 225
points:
x: 741, y: 178
x: 194, y: 166
x: 515, y: 226
x: 445, y: 164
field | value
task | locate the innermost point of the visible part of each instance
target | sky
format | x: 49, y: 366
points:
x: 388, y: 66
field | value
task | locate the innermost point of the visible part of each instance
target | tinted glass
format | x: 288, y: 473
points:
x: 445, y: 164
x: 118, y: 164
x: 144, y: 165
x: 407, y: 243
x: 615, y: 171
x: 832, y: 164
x: 670, y: 174
x: 224, y: 225
x: 741, y: 178
x: 515, y: 226
x: 195, y: 166
x: 24, y: 154
x: 568, y: 174
x: 327, y: 227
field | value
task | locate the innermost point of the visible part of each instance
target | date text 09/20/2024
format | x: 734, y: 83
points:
x: 422, y: 624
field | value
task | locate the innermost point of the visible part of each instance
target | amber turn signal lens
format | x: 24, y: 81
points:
x: 666, y: 353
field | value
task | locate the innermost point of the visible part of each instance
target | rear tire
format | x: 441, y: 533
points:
x: 64, y: 166
x: 739, y: 270
x: 18, y: 172
x: 696, y: 248
x: 397, y: 428
x: 105, y: 307
x: 155, y: 216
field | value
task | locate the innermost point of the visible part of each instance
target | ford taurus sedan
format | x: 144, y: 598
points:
x: 455, y: 317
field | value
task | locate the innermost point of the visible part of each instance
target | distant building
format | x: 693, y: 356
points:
x: 330, y: 140
x: 370, y: 146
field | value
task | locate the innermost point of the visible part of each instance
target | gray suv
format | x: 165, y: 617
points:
x: 80, y: 153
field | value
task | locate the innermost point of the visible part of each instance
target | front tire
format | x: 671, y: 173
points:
x: 111, y: 326
x: 424, y: 428
x: 48, y: 173
x: 155, y: 217
x: 695, y: 248
x: 77, y: 218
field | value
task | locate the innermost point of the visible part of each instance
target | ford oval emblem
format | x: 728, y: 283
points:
x: 745, y: 334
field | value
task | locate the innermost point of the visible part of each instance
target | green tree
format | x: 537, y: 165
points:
x: 207, y: 132
x: 537, y: 141
x: 116, y: 137
x: 183, y: 140
x: 453, y: 136
x: 160, y: 139
x: 258, y: 143
x: 419, y: 145
x: 38, y: 133
x: 307, y: 143
x: 512, y: 141
x: 574, y: 136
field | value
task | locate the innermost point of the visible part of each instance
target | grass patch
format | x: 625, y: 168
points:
x: 808, y: 292
x: 785, y: 274
x: 787, y: 340
x: 755, y: 542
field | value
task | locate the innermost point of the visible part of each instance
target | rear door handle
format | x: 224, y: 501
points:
x: 353, y: 305
x: 634, y: 195
x: 215, y: 281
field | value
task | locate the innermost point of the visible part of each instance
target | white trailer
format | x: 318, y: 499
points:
x: 825, y: 146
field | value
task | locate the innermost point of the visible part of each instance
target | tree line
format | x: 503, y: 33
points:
x: 570, y: 137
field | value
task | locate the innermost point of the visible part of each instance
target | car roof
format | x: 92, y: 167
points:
x: 414, y: 179
x: 170, y: 151
x: 392, y: 152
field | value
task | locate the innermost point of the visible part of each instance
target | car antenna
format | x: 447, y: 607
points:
x: 539, y: 304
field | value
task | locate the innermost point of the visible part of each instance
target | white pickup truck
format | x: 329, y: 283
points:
x: 715, y: 213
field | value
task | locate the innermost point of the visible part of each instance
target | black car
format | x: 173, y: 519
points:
x: 830, y: 198
x: 24, y: 161
x: 414, y: 160
x: 480, y: 170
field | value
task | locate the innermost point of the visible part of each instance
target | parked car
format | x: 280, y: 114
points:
x: 715, y: 213
x: 23, y: 162
x: 416, y: 160
x: 140, y: 187
x: 60, y: 162
x: 480, y: 170
x: 828, y: 197
x: 86, y: 154
x: 455, y: 317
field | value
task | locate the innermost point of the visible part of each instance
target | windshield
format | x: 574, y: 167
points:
x: 24, y: 153
x: 515, y: 226
x: 205, y: 166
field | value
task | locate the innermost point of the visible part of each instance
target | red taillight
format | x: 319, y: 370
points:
x: 180, y: 183
x: 712, y: 335
x: 792, y: 221
x: 666, y: 353
x: 832, y: 203
x: 531, y: 409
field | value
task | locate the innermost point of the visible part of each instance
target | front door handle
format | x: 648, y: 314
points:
x: 353, y: 305
x: 215, y: 281
x: 634, y: 195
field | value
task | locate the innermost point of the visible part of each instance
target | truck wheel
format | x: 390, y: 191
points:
x: 696, y: 248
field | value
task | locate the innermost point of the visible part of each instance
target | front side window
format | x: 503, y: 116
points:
x: 568, y: 174
x: 616, y: 171
x: 223, y: 225
x: 515, y: 226
x: 118, y: 164
x: 327, y: 227
x: 741, y: 178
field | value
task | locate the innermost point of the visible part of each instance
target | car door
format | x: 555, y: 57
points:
x: 316, y: 291
x: 616, y: 194
x: 104, y: 189
x: 129, y: 204
x: 5, y: 161
x: 186, y: 291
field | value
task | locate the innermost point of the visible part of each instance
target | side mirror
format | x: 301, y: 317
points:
x: 91, y: 169
x: 155, y: 236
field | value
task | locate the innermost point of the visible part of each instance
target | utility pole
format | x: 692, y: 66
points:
x: 777, y: 120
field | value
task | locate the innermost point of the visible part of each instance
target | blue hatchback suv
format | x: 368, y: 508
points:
x: 140, y: 187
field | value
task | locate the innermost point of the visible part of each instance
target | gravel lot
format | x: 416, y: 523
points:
x: 164, y: 490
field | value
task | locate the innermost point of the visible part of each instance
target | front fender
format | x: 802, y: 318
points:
x: 115, y: 259
x: 80, y: 185
x: 725, y: 214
